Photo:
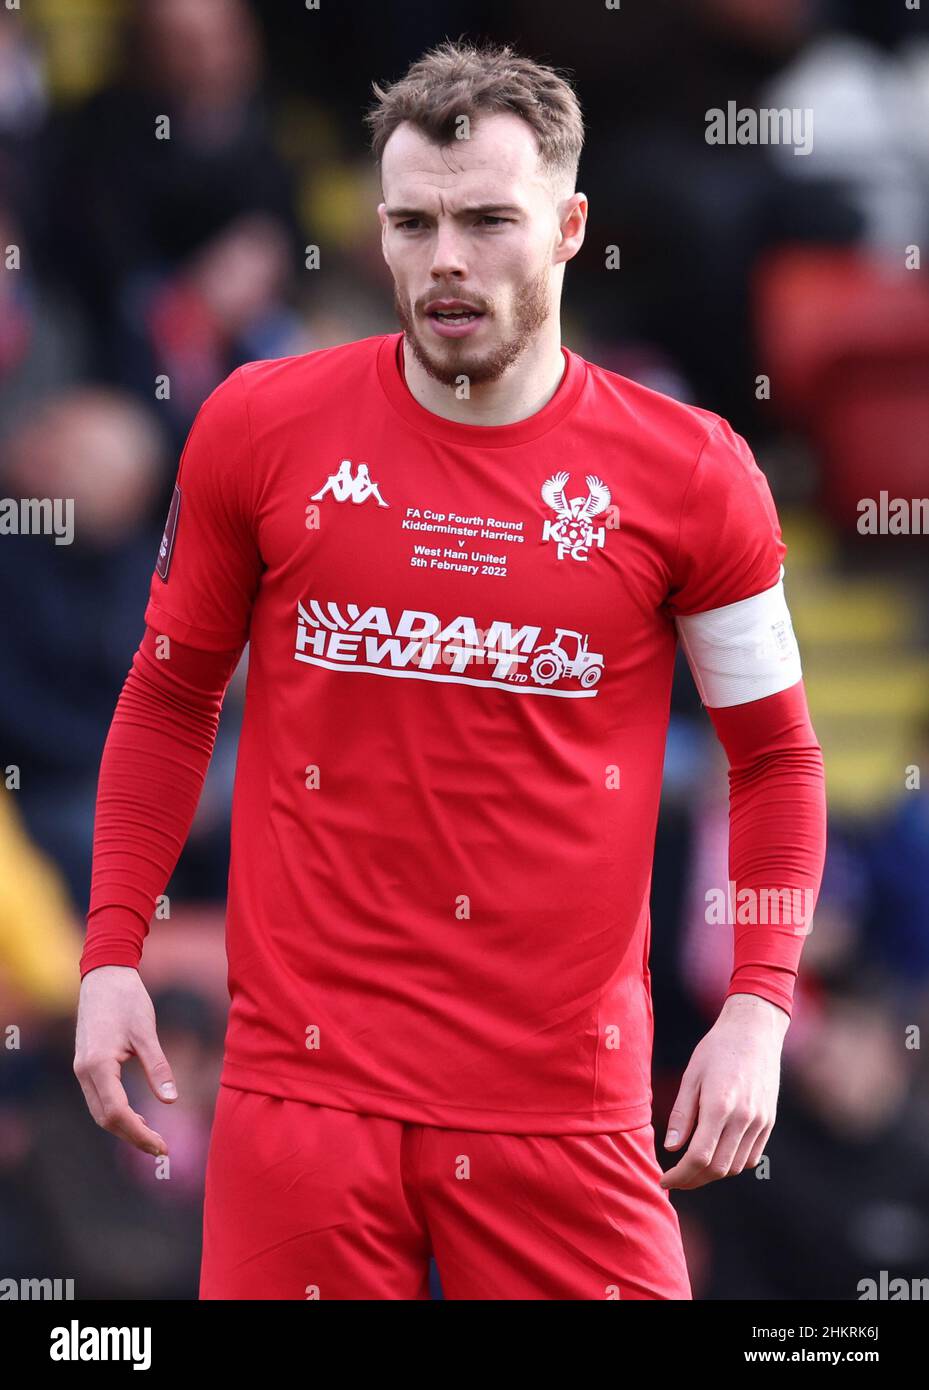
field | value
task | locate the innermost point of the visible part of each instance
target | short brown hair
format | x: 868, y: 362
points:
x: 457, y: 79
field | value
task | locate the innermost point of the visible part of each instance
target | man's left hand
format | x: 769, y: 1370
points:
x: 729, y: 1091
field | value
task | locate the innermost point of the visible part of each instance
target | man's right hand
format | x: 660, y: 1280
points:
x: 116, y: 1021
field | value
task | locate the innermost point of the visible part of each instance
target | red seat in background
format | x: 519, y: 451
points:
x: 845, y: 342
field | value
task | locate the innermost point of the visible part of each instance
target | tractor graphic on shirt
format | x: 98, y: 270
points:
x: 567, y: 655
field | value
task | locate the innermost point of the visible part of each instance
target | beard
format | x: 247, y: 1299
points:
x: 479, y: 365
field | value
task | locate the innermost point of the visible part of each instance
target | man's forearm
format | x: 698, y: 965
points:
x: 151, y: 777
x: 777, y: 838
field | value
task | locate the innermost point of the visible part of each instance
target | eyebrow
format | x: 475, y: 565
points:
x: 482, y: 208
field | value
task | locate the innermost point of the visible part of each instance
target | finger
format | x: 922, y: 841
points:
x: 757, y: 1153
x: 727, y: 1147
x: 115, y: 1114
x: 700, y: 1151
x: 684, y: 1112
x: 155, y: 1065
x: 90, y: 1096
x: 750, y: 1139
x: 95, y: 1105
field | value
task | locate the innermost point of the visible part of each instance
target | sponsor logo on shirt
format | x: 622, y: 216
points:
x: 347, y: 486
x: 572, y: 530
x: 420, y: 646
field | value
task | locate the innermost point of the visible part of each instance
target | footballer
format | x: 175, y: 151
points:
x: 463, y: 558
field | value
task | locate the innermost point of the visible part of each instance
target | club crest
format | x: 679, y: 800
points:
x: 572, y: 530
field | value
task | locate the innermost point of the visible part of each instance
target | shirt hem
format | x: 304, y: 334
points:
x: 438, y: 1115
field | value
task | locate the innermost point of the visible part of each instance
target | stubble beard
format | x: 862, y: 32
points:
x: 480, y: 365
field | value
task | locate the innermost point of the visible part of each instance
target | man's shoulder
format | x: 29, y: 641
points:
x: 261, y: 399
x: 673, y: 426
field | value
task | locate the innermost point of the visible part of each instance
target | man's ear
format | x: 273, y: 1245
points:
x: 572, y: 228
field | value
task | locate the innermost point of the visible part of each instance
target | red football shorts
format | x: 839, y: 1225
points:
x: 304, y: 1201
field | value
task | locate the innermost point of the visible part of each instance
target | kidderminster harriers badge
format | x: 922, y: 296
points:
x: 573, y: 530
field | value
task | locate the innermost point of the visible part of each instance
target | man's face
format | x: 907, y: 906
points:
x: 476, y: 222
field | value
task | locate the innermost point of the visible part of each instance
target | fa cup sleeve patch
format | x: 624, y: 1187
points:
x: 167, y: 540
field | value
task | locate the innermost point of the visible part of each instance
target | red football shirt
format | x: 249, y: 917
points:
x: 461, y: 651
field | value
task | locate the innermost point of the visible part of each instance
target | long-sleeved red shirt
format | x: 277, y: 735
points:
x: 461, y: 648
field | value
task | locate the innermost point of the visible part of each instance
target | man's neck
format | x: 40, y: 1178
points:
x: 523, y: 390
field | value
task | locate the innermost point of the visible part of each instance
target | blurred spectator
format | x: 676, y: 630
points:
x: 691, y: 219
x: 871, y: 132
x: 43, y: 346
x: 165, y: 184
x: 23, y: 109
x: 114, y: 1220
x: 72, y: 614
x: 897, y: 857
x: 847, y: 1194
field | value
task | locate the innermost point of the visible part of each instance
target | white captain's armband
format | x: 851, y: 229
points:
x: 744, y: 651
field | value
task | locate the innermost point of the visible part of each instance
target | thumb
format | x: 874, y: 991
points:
x: 683, y: 1113
x: 156, y: 1068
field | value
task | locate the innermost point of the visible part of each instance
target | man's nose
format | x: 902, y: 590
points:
x: 448, y: 256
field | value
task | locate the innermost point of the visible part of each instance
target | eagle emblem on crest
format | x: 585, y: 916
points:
x: 573, y: 530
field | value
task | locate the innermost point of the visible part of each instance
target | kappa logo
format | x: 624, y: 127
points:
x: 348, y: 487
x: 572, y: 530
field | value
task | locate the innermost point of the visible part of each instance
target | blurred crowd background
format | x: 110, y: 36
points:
x: 142, y: 259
